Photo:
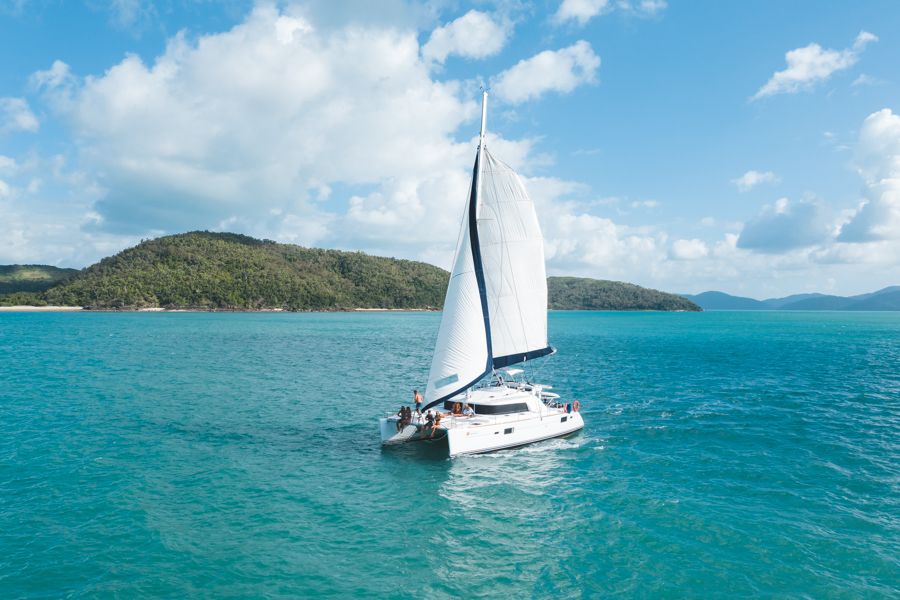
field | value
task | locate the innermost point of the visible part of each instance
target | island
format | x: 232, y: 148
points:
x: 202, y: 270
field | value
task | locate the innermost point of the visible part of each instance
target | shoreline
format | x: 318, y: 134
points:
x: 25, y: 308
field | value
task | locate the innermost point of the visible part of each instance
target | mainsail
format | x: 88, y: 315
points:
x: 495, y: 311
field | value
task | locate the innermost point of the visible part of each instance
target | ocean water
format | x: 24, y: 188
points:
x: 727, y: 454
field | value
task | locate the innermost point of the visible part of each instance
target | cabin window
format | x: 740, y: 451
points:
x: 564, y: 419
x: 507, y: 430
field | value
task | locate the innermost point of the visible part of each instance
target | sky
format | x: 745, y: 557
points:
x: 748, y: 147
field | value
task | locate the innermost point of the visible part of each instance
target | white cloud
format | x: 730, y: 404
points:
x: 258, y: 118
x: 692, y: 249
x: 651, y: 7
x: 128, y: 13
x: 278, y: 129
x: 16, y: 115
x: 580, y: 11
x: 878, y: 149
x: 786, y: 225
x: 644, y: 8
x: 582, y: 243
x: 473, y: 35
x: 8, y: 165
x: 812, y: 64
x: 57, y: 76
x: 878, y: 161
x: 864, y: 79
x: 751, y: 179
x: 645, y: 204
x: 559, y: 71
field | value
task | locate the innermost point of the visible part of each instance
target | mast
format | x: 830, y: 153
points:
x: 474, y: 212
x: 480, y: 161
x: 483, y: 117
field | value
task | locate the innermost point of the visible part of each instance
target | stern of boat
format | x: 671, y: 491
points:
x: 387, y: 426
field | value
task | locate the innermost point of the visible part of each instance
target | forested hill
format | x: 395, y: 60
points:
x: 203, y: 270
x: 577, y: 293
x: 226, y: 270
x: 31, y: 278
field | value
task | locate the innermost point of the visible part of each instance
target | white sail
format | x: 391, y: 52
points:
x: 512, y: 255
x: 461, y: 352
x: 495, y: 315
x: 495, y: 311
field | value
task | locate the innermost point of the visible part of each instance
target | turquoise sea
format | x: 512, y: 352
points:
x: 726, y: 454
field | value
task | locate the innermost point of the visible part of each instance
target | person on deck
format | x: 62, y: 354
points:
x: 417, y: 398
x: 437, y: 423
x: 468, y: 411
x: 401, y: 415
x: 429, y: 420
x: 457, y: 409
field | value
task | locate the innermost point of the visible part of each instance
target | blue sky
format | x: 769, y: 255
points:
x: 748, y: 147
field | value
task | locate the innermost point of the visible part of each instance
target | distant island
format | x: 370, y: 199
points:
x: 31, y: 278
x: 884, y: 299
x: 203, y: 270
x: 579, y: 293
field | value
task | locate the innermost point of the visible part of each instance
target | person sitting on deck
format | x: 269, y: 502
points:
x: 457, y: 409
x: 429, y: 420
x: 437, y: 423
x: 468, y: 411
x: 400, y: 416
x: 407, y: 416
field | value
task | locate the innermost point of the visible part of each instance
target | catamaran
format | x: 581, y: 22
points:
x: 495, y: 316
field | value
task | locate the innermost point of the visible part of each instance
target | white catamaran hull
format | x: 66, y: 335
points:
x: 509, y: 435
x: 537, y: 421
x: 487, y: 437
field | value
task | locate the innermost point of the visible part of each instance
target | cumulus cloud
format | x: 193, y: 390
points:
x: 786, y: 225
x: 812, y: 64
x: 878, y: 162
x: 16, y: 115
x: 279, y: 129
x: 580, y: 11
x: 246, y: 126
x: 578, y: 242
x: 751, y: 179
x: 551, y: 70
x: 692, y: 249
x: 473, y: 35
